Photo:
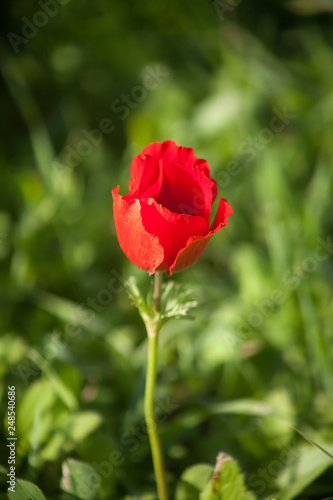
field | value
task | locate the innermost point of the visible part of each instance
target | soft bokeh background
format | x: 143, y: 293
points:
x: 248, y: 85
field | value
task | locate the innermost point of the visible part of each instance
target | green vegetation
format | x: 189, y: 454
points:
x: 249, y: 88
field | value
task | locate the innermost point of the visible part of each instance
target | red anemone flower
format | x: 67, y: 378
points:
x: 163, y: 223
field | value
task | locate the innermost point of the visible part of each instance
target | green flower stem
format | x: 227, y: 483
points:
x: 157, y: 290
x: 153, y: 328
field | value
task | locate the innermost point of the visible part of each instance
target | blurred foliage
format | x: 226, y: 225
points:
x: 85, y: 86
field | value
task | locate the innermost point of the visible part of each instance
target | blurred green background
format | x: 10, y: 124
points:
x: 85, y: 86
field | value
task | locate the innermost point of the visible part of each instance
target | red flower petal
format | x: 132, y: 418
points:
x: 172, y: 230
x: 141, y: 247
x: 203, y: 166
x: 164, y: 181
x: 195, y: 199
x: 196, y: 246
x: 170, y: 152
x: 146, y: 177
x: 178, y: 154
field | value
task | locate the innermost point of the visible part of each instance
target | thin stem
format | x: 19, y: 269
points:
x: 157, y: 290
x: 149, y: 415
x: 152, y: 330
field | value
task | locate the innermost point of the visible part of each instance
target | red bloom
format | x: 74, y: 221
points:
x: 162, y: 224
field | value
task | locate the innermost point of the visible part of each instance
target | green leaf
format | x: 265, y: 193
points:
x: 133, y: 290
x: 249, y: 495
x: 243, y: 407
x: 193, y: 481
x: 62, y: 389
x: 67, y: 311
x: 34, y: 414
x: 72, y: 429
x: 79, y: 479
x: 176, y: 301
x: 24, y: 490
x: 229, y: 483
x: 312, y: 442
x: 12, y: 349
x: 310, y: 464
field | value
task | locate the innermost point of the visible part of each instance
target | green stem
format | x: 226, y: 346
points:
x: 152, y: 330
x: 157, y: 290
